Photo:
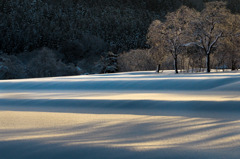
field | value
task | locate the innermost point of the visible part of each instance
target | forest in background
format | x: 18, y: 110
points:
x: 42, y: 38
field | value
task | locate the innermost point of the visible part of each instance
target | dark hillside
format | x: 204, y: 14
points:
x: 68, y: 37
x: 27, y: 25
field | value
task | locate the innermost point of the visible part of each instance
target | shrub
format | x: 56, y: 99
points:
x: 109, y: 63
x: 84, y: 47
x: 136, y: 60
x: 45, y: 64
x: 11, y: 67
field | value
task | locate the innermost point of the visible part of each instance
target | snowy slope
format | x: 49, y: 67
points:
x: 123, y: 115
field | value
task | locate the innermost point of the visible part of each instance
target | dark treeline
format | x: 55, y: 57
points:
x: 27, y: 25
x: 82, y: 32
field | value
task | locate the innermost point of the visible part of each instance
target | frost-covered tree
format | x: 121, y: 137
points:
x: 208, y: 28
x: 110, y: 63
x: 230, y: 43
x: 172, y: 34
x: 11, y: 67
x: 213, y: 30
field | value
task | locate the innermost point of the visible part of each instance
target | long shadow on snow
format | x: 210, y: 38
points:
x: 157, y: 85
x: 138, y: 107
x: 38, y: 150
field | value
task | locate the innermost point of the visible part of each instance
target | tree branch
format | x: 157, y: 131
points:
x: 214, y: 42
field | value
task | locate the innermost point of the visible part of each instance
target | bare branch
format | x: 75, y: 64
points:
x: 214, y: 42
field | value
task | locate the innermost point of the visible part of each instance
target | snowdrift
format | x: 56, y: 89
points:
x: 123, y: 115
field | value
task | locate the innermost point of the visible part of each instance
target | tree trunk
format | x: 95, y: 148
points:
x: 175, y: 65
x: 208, y: 63
x: 188, y: 67
x: 234, y: 67
x: 158, y: 68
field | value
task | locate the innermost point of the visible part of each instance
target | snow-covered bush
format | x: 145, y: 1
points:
x: 136, y: 60
x: 45, y: 64
x: 11, y: 67
x: 110, y: 63
x: 84, y: 47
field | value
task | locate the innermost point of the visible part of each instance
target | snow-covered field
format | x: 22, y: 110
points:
x: 138, y: 115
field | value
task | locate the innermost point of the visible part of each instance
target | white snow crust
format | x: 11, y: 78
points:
x: 138, y: 115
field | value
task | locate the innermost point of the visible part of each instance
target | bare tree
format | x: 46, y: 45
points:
x: 157, y: 55
x: 172, y: 34
x: 232, y: 40
x: 208, y: 27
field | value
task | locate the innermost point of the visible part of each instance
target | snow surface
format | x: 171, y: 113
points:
x: 125, y: 115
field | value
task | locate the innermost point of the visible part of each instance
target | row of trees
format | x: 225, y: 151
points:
x: 86, y: 55
x: 213, y: 32
x: 83, y: 34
